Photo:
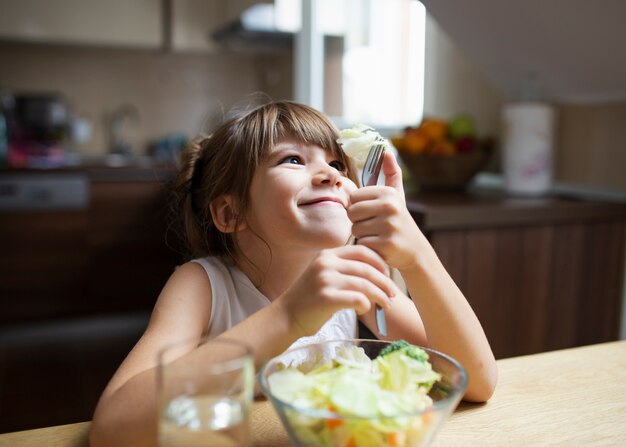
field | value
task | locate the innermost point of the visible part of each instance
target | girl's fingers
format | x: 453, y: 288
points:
x: 380, y: 202
x: 358, y: 274
x: 353, y: 299
x: 369, y: 193
x: 364, y: 255
x: 371, y: 275
x: 379, y: 293
x: 370, y: 227
x: 392, y: 171
x: 358, y: 270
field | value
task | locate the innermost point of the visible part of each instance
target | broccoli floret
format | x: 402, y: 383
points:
x: 407, y: 349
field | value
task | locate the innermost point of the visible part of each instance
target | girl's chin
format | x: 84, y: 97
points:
x: 335, y: 240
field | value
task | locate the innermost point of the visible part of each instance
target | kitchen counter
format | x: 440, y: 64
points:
x: 480, y: 209
x: 69, y: 187
x: 147, y: 171
x: 567, y: 397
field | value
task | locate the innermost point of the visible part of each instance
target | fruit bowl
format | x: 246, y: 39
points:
x: 436, y: 172
x: 374, y: 418
x: 443, y: 155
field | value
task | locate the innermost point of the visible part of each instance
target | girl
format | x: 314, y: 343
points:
x: 269, y: 202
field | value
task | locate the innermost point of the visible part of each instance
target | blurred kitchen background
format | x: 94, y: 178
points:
x: 99, y: 97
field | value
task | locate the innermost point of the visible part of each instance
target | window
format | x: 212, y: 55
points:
x: 359, y: 60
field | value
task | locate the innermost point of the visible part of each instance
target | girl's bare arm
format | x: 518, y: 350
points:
x: 450, y: 323
x: 127, y: 412
x: 338, y: 278
x: 382, y: 222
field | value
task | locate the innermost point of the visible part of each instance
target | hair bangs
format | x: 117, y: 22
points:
x: 309, y: 126
x: 270, y: 123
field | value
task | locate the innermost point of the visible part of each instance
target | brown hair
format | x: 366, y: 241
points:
x: 225, y: 161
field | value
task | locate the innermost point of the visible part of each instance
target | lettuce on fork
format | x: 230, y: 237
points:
x: 357, y: 141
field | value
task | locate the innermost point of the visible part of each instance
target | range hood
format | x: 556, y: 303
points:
x: 254, y: 31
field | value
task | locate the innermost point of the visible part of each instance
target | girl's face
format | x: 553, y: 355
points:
x: 299, y: 196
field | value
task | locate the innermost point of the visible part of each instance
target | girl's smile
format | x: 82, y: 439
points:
x: 325, y: 200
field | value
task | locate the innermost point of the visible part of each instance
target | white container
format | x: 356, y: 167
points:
x: 528, y: 147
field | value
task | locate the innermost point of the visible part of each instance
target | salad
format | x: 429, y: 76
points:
x: 354, y: 401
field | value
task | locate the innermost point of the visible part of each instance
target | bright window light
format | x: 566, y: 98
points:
x: 379, y: 79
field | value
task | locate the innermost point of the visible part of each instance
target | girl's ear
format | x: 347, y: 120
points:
x: 224, y: 211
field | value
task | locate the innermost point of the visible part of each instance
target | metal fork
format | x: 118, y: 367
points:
x: 369, y: 177
x: 373, y: 163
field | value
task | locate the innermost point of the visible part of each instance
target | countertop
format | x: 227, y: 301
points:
x: 568, y: 397
x: 68, y: 188
x: 483, y: 208
x: 107, y: 167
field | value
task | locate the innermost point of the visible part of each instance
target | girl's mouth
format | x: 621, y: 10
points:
x: 327, y: 200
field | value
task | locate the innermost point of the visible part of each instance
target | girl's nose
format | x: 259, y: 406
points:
x: 327, y: 175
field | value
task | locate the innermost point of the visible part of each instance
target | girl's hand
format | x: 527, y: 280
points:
x: 381, y: 220
x: 350, y: 276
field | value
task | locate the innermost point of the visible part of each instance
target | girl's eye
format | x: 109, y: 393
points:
x: 338, y: 165
x: 292, y: 159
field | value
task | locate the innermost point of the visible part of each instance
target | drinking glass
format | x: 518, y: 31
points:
x: 204, y: 393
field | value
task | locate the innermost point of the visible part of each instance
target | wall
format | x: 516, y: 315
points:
x: 591, y: 138
x: 591, y: 148
x: 183, y: 92
x: 174, y: 92
x: 452, y: 85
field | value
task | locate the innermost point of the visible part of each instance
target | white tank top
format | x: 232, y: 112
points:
x: 235, y: 298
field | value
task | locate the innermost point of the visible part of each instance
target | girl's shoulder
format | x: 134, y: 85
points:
x: 213, y: 264
x: 184, y: 304
x: 188, y: 280
x: 189, y: 270
x: 228, y: 281
x: 203, y: 268
x: 217, y: 270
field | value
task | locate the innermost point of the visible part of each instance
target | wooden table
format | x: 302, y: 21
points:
x: 569, y: 397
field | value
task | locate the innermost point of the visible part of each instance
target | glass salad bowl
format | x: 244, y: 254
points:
x: 362, y: 393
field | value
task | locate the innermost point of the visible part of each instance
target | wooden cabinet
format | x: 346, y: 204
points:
x: 42, y: 264
x: 194, y: 21
x: 541, y: 274
x: 179, y: 25
x: 113, y: 256
x: 113, y: 22
x: 131, y: 252
x: 77, y: 287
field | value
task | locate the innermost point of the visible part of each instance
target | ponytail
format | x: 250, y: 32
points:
x: 194, y: 218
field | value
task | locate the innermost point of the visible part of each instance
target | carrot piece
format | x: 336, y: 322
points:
x: 350, y: 443
x: 393, y: 439
x: 333, y: 423
x: 427, y: 418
